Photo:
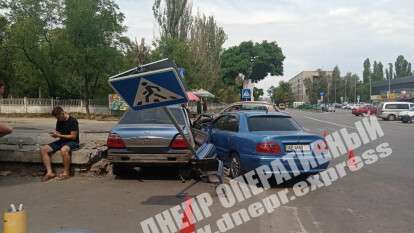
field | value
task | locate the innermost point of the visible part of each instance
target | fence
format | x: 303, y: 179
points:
x: 37, y: 105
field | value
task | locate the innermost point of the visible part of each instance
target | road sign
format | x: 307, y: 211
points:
x: 150, y: 89
x: 246, y: 94
x: 181, y: 71
x: 322, y: 93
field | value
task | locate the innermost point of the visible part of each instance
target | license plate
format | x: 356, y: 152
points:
x: 297, y: 147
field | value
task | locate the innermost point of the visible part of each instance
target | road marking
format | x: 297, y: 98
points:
x: 328, y: 122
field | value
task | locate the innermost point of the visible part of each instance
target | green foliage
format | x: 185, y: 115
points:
x: 315, y: 86
x: 402, y: 67
x: 68, y: 49
x: 254, y: 60
x: 93, y: 28
x: 378, y: 72
x: 335, y: 90
x: 390, y: 72
x: 367, y: 71
x: 281, y: 94
x: 173, y: 17
x: 257, y: 93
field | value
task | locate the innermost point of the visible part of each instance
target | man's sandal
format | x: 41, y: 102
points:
x: 48, y: 177
x: 63, y: 177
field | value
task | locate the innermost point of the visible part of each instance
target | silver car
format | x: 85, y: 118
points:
x: 390, y: 110
x: 251, y: 106
x: 149, y: 138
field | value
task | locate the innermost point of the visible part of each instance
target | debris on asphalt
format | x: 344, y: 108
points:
x: 5, y: 173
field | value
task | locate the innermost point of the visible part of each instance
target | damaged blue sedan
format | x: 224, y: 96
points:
x: 247, y: 140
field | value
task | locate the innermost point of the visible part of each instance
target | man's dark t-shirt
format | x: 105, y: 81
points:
x: 65, y: 127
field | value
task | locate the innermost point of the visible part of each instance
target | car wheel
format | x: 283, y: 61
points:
x: 391, y: 117
x: 235, y: 165
x: 120, y: 170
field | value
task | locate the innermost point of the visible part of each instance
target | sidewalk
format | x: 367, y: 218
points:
x: 22, y: 146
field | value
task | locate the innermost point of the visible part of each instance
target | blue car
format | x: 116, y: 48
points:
x: 247, y: 140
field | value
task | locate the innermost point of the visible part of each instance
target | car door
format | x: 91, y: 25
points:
x: 223, y: 132
x: 218, y: 135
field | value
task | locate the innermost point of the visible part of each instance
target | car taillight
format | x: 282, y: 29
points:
x: 115, y: 141
x: 268, y: 147
x: 178, y: 143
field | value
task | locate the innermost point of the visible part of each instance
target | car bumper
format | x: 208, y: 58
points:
x: 249, y: 163
x: 149, y: 159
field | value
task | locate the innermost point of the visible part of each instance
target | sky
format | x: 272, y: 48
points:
x: 312, y: 33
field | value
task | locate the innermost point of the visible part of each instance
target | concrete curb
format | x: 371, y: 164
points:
x: 79, y: 157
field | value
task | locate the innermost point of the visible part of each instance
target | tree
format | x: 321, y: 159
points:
x: 93, y: 30
x: 206, y: 44
x: 402, y: 67
x: 257, y: 93
x: 173, y: 17
x: 390, y: 72
x: 135, y: 53
x: 36, y: 38
x: 254, y: 60
x: 335, y: 84
x: 316, y: 85
x: 281, y: 94
x: 366, y: 74
x: 378, y: 72
x: 6, y: 68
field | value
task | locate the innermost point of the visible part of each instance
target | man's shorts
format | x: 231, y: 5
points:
x: 57, y: 145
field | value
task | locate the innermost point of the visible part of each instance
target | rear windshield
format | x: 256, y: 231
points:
x: 253, y: 107
x: 272, y: 123
x: 396, y: 106
x: 152, y: 116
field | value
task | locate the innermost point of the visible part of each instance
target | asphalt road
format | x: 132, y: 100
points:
x: 377, y: 198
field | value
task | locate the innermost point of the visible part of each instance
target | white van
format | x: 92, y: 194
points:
x: 391, y: 110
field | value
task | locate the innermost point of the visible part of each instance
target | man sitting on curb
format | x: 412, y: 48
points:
x: 4, y: 129
x: 67, y: 132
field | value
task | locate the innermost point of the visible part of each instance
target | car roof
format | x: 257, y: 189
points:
x: 260, y: 113
x: 391, y: 102
x: 251, y: 102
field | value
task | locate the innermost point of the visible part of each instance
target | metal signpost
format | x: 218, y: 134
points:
x: 145, y: 88
x: 155, y: 85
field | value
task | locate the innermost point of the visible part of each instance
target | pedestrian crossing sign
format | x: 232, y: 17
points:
x: 246, y: 94
x: 150, y: 89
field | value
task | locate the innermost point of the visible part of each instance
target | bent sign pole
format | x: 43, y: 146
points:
x: 152, y: 85
x: 180, y: 130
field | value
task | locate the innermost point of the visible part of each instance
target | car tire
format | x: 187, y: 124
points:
x: 391, y: 117
x: 120, y: 170
x: 235, y: 166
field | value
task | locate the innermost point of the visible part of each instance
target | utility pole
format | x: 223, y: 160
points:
x: 335, y: 89
x: 389, y: 85
x: 370, y: 88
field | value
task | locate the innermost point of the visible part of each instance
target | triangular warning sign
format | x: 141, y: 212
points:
x: 150, y: 93
x: 246, y: 93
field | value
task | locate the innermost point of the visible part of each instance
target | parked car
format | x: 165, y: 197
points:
x: 331, y: 108
x: 251, y: 106
x: 203, y: 119
x: 390, y: 110
x: 354, y: 106
x: 247, y: 140
x: 407, y: 116
x: 148, y: 138
x: 282, y: 106
x: 365, y: 110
